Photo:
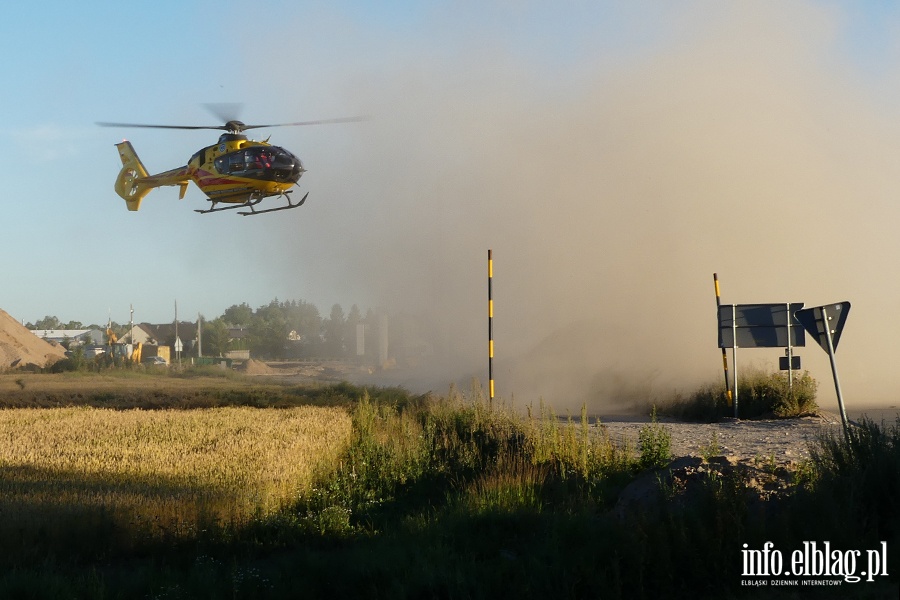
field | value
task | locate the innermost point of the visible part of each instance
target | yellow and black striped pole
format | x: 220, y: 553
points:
x: 724, y: 354
x: 490, y: 325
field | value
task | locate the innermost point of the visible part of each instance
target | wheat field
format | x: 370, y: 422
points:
x: 158, y: 472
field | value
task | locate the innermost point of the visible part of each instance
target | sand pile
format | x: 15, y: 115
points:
x: 19, y: 347
x: 256, y: 367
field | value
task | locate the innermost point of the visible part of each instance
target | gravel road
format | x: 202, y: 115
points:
x: 784, y: 440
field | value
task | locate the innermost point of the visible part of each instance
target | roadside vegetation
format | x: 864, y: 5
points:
x: 761, y: 394
x: 417, y: 497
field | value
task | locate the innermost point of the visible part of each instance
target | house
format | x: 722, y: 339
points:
x: 187, y: 332
x: 91, y: 337
x: 163, y: 334
x: 238, y: 336
x: 143, y: 333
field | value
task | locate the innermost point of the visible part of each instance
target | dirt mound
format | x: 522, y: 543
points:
x: 256, y: 367
x: 19, y: 347
x: 683, y: 482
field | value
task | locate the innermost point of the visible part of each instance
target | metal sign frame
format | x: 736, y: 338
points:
x: 760, y: 326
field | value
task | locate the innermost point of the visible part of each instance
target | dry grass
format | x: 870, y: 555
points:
x: 166, y: 473
x: 24, y: 383
x: 129, y: 389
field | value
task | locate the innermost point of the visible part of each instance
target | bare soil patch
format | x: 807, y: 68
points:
x: 781, y: 441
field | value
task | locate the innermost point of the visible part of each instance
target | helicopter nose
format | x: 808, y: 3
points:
x: 299, y: 170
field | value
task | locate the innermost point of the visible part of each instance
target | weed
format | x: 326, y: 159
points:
x: 655, y: 444
x: 861, y: 474
x: 712, y: 448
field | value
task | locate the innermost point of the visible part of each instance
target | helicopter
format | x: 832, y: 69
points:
x: 236, y: 172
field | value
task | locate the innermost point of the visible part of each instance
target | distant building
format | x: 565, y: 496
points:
x: 143, y: 333
x: 163, y: 334
x: 90, y: 337
x: 238, y: 336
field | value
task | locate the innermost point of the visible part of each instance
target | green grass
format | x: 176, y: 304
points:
x: 457, y: 497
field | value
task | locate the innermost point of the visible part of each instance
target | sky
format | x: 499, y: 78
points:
x: 613, y: 155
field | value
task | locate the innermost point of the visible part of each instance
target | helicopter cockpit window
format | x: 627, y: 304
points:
x: 239, y: 161
x: 261, y: 162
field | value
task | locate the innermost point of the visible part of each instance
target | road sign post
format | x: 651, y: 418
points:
x: 790, y: 355
x: 825, y: 324
x: 734, y: 346
x: 490, y: 325
x: 728, y: 395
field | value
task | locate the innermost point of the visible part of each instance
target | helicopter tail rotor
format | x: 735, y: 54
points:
x: 128, y: 184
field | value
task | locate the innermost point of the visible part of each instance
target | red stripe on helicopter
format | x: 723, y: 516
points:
x: 204, y: 178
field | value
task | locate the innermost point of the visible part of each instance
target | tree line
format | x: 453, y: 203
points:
x: 279, y: 329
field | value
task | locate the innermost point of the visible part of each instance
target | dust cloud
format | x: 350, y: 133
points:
x: 610, y: 189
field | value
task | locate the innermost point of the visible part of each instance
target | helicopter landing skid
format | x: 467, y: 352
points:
x: 231, y: 207
x: 288, y: 206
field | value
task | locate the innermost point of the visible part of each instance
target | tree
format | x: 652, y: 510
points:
x: 268, y: 331
x: 303, y: 317
x: 238, y: 314
x: 334, y: 331
x: 215, y: 337
x: 48, y: 322
x: 354, y: 318
x: 273, y: 324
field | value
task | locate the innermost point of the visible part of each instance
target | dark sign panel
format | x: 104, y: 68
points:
x: 760, y: 325
x: 783, y: 363
x: 824, y: 320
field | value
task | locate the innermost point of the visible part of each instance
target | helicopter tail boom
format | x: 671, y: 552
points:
x: 128, y: 185
x: 133, y: 182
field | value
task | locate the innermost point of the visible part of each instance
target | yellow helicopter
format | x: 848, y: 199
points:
x: 236, y: 172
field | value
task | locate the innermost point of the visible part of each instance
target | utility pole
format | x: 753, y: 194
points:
x: 177, y: 339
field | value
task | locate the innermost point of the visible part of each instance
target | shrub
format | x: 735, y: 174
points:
x: 799, y: 400
x: 860, y: 476
x: 74, y: 361
x: 760, y: 394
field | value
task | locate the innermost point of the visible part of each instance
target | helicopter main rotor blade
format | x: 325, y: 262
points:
x: 235, y: 126
x: 303, y: 123
x: 145, y: 126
